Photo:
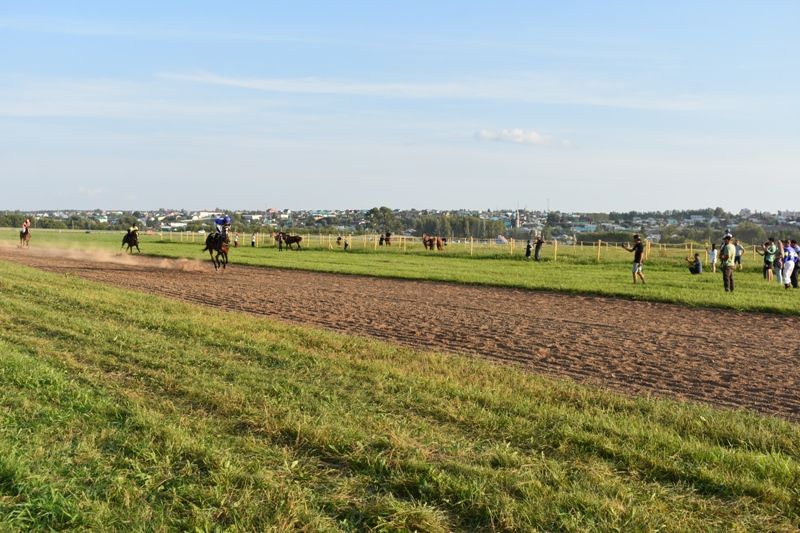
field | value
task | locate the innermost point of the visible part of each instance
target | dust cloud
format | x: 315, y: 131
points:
x: 95, y: 255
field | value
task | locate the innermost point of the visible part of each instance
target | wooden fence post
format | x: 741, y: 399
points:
x: 555, y: 250
x: 599, y: 243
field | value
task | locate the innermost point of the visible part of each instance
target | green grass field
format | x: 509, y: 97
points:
x: 163, y: 416
x: 575, y: 271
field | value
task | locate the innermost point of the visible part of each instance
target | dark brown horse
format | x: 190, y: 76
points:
x: 131, y: 239
x: 25, y: 238
x: 217, y: 246
x: 284, y: 238
x: 429, y: 241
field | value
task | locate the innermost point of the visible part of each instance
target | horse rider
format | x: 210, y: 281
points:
x: 222, y: 224
x: 26, y: 225
x: 134, y: 229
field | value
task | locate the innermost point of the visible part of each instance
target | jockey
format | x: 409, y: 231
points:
x: 222, y: 224
x: 134, y: 229
x: 26, y: 226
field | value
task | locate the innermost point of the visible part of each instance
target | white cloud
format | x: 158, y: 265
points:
x: 90, y: 192
x: 525, y: 88
x: 514, y: 135
x: 78, y: 27
x: 110, y: 99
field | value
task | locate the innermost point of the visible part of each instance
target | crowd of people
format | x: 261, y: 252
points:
x: 781, y: 260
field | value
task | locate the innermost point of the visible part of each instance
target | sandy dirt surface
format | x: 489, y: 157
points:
x: 714, y: 356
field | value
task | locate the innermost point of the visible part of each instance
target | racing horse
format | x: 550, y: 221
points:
x: 289, y: 240
x: 131, y: 239
x: 217, y: 246
x: 25, y: 238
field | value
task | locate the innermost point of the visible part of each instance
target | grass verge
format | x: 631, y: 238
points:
x: 159, y: 416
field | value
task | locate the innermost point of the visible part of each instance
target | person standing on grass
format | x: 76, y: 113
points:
x: 638, y: 254
x: 769, y: 258
x: 712, y: 257
x: 739, y: 253
x: 538, y: 248
x: 793, y: 277
x: 253, y: 240
x: 771, y: 251
x: 779, y: 261
x: 789, y: 259
x: 528, y: 251
x: 727, y: 262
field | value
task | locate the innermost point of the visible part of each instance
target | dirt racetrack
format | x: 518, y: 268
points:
x: 628, y: 346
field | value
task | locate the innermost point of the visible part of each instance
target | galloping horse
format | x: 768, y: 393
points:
x: 132, y: 240
x: 283, y: 237
x: 25, y: 238
x: 218, y: 243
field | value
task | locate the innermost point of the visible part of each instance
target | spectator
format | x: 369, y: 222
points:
x: 638, y: 256
x: 236, y: 240
x: 778, y: 263
x: 346, y: 243
x: 695, y: 265
x: 789, y: 259
x: 769, y: 259
x: 727, y: 262
x: 796, y: 247
x: 253, y: 240
x: 739, y: 253
x: 538, y: 248
x: 528, y: 251
x: 712, y: 257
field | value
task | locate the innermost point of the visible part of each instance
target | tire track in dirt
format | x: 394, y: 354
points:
x: 629, y: 346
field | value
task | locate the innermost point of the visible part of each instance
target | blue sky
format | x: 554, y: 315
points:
x: 595, y: 106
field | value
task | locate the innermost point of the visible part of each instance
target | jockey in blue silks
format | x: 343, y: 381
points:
x: 222, y: 224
